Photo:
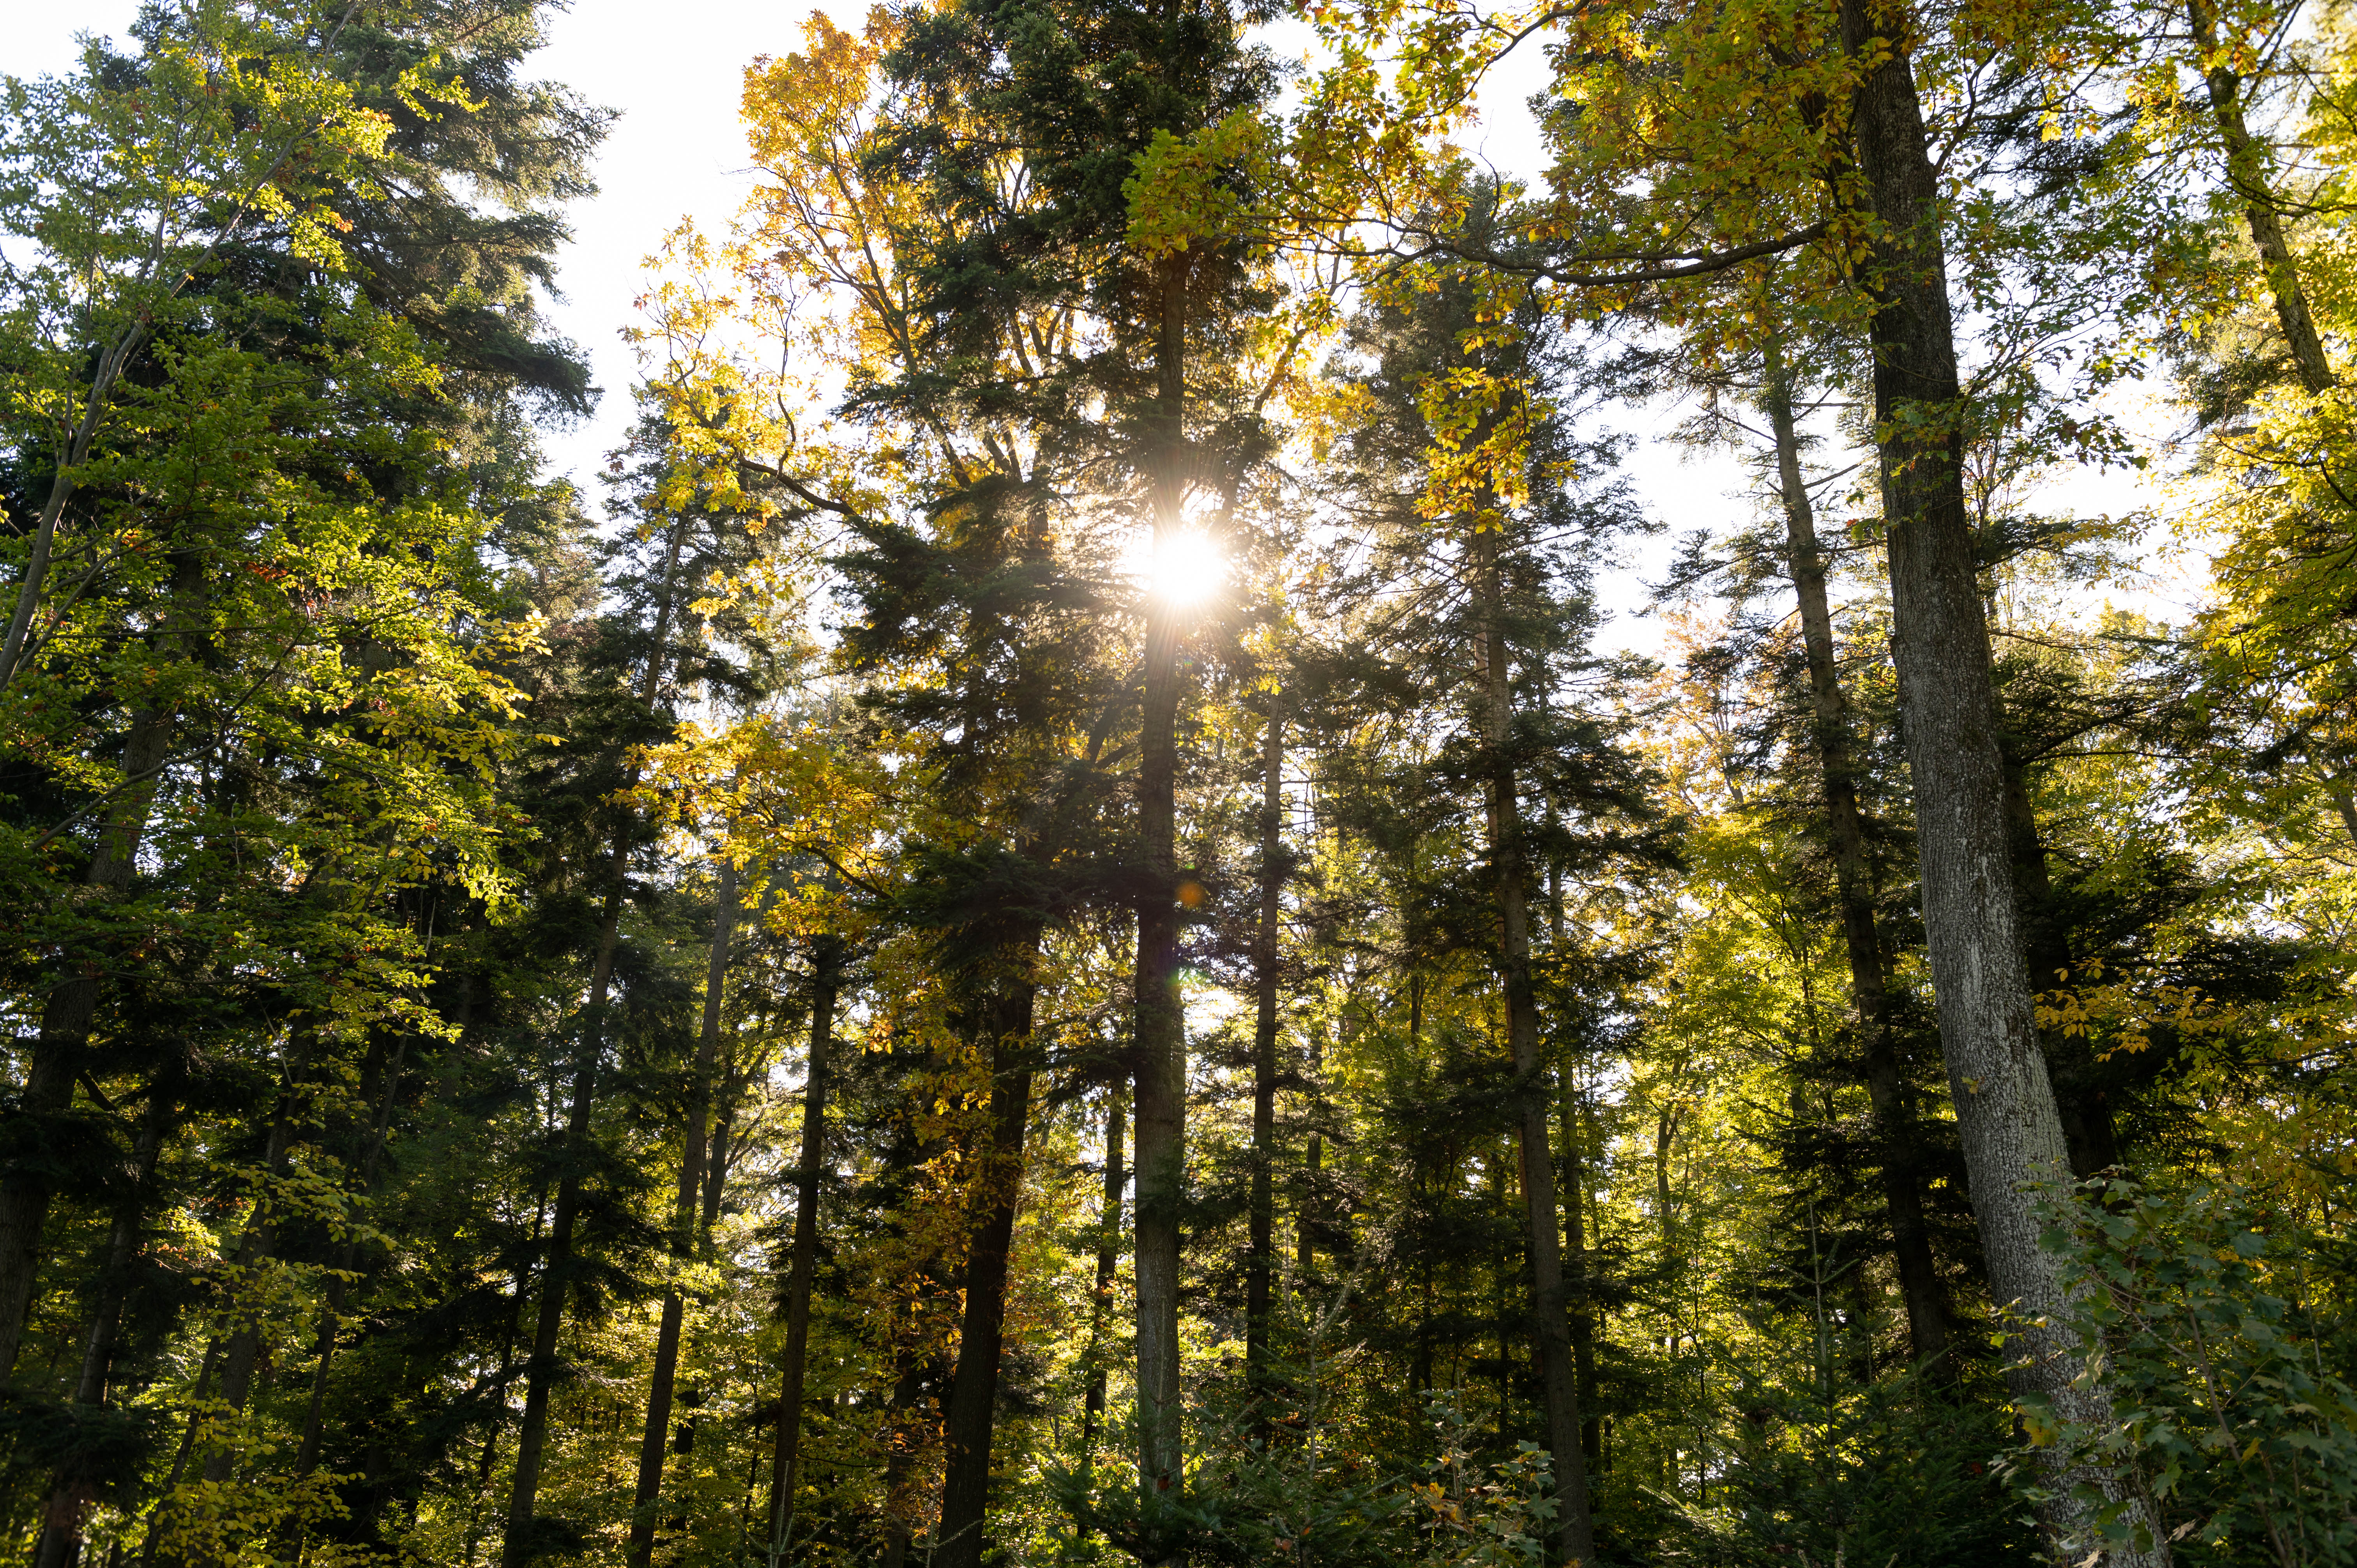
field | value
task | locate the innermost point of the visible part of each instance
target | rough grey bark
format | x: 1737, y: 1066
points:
x: 1930, y: 1319
x: 1573, y: 1537
x: 685, y: 1238
x: 997, y: 1189
x: 2006, y: 1114
x: 826, y: 973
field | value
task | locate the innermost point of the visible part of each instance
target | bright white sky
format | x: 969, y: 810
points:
x: 675, y: 69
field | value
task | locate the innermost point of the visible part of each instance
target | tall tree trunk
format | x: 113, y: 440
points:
x: 1260, y: 1259
x: 1308, y: 1212
x: 1161, y: 1030
x: 1108, y: 1257
x: 516, y: 1545
x: 2005, y: 1104
x: 1573, y: 1537
x: 997, y: 1190
x: 61, y: 1050
x: 1930, y: 1321
x: 70, y: 1495
x: 2248, y: 172
x: 785, y: 1474
x: 1579, y: 1289
x: 685, y: 1231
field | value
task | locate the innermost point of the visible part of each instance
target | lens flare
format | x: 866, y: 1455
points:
x: 1187, y: 568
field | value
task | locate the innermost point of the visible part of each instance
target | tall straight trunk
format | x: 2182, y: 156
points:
x: 2248, y: 172
x: 61, y: 1050
x: 556, y: 1257
x: 1307, y: 1213
x: 687, y: 1206
x: 1573, y: 1537
x: 1108, y: 1257
x: 1161, y: 1032
x: 827, y: 975
x: 1260, y: 1260
x: 1930, y: 1322
x: 997, y: 1190
x: 2006, y: 1114
x: 59, y: 1544
x: 540, y: 1368
x: 1581, y: 1295
x: 1580, y: 1286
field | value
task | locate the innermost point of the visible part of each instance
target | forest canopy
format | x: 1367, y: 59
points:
x: 1044, y: 930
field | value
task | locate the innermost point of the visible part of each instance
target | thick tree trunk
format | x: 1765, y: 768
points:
x: 1573, y: 1537
x: 654, y: 1443
x: 785, y: 1475
x: 1108, y: 1257
x: 1930, y: 1321
x: 1161, y: 1032
x: 1260, y: 1257
x: 2005, y: 1105
x: 997, y: 1190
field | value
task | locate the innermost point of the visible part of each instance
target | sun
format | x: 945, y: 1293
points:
x: 1182, y: 568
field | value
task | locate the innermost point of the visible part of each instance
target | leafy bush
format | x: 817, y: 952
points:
x: 2228, y: 1422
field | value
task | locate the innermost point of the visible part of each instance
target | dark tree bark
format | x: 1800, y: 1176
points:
x: 516, y: 1545
x: 785, y: 1475
x: 2005, y: 1113
x: 1572, y: 1535
x: 1260, y: 1259
x: 1930, y: 1319
x: 59, y: 1544
x: 686, y: 1233
x: 61, y: 1051
x: 2087, y: 1129
x: 1108, y: 1258
x: 1161, y: 1033
x: 516, y: 1548
x: 241, y: 1351
x: 996, y: 1191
